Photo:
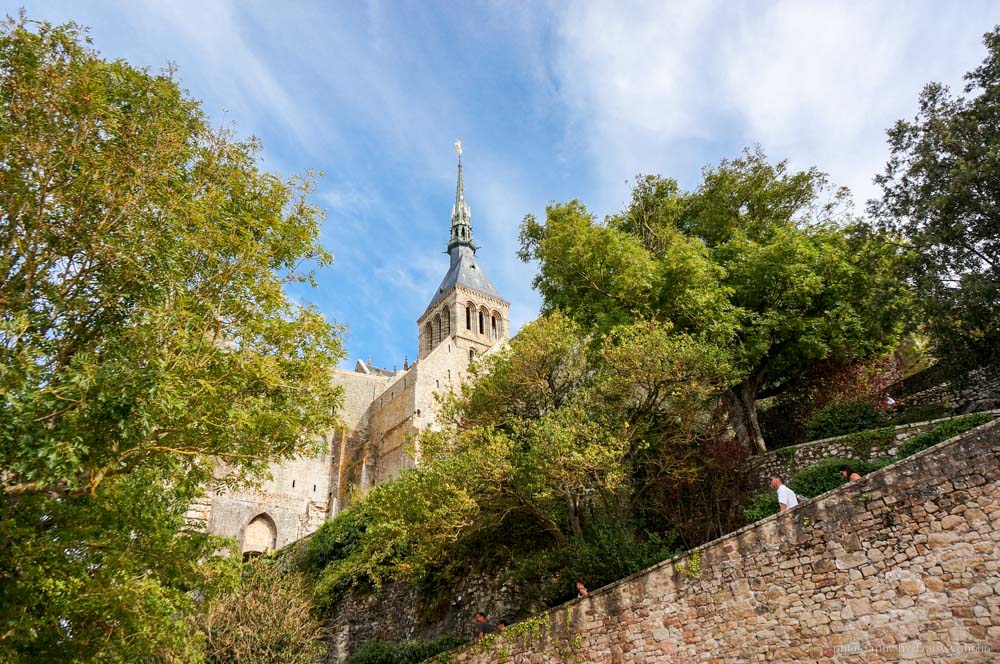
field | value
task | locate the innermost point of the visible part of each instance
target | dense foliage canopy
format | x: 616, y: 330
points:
x: 548, y: 448
x: 760, y: 261
x: 146, y: 344
x: 941, y: 192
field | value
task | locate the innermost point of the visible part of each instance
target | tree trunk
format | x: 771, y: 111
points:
x: 573, y: 506
x: 741, y: 401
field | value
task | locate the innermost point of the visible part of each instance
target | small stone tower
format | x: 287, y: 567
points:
x: 466, y: 307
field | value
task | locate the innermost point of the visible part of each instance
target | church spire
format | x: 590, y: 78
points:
x: 461, y: 216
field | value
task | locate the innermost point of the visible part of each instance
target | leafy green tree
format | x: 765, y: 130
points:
x: 558, y: 425
x: 399, y: 531
x: 754, y: 261
x: 146, y: 343
x: 550, y: 437
x: 941, y: 192
x: 107, y: 578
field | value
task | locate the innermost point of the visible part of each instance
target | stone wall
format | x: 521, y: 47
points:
x: 903, y: 564
x: 360, y: 390
x: 296, y: 499
x: 397, y: 612
x: 380, y: 443
x: 392, y: 427
x: 384, y: 415
x: 300, y: 493
x: 979, y: 391
x: 877, y: 445
x: 409, y: 405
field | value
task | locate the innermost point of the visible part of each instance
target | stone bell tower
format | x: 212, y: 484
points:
x: 465, y: 309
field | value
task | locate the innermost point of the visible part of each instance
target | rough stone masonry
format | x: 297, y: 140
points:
x: 901, y: 565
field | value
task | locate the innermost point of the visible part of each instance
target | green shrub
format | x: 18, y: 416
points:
x: 266, y: 617
x: 335, y: 540
x: 403, y: 652
x: 940, y: 433
x: 338, y: 558
x: 862, y: 442
x: 762, y: 506
x: 825, y: 475
x: 608, y: 550
x: 844, y: 417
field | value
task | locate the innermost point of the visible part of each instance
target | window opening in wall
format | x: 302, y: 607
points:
x: 437, y: 384
x: 314, y: 487
x: 449, y: 374
x: 472, y: 354
x: 468, y: 318
x: 493, y: 319
x: 482, y: 324
x: 293, y: 484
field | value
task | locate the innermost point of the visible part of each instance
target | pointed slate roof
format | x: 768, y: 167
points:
x: 464, y: 270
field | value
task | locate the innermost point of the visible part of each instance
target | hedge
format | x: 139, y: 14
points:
x: 940, y: 433
x: 410, y: 651
x: 844, y: 417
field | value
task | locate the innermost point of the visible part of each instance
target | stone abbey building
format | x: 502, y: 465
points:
x: 383, y: 411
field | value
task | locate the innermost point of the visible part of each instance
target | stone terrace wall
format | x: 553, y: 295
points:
x: 903, y: 564
x: 395, y: 613
x: 980, y: 391
x: 787, y: 461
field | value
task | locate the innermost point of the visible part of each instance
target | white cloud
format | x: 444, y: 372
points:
x: 637, y: 69
x: 671, y: 88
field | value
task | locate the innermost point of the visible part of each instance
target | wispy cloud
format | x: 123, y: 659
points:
x: 216, y: 37
x: 670, y: 88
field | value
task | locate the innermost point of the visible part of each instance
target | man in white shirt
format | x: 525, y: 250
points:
x: 786, y: 497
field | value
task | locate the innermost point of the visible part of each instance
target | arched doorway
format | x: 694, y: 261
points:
x: 259, y: 536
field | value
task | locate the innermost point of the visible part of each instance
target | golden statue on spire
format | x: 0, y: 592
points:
x: 458, y: 147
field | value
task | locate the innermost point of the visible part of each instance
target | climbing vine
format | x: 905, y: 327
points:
x: 691, y: 566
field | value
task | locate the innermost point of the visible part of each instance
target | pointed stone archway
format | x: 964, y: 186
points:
x: 259, y: 536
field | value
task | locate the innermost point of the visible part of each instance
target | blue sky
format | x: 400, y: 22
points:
x: 552, y: 101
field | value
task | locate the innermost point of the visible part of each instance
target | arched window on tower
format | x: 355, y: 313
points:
x: 437, y: 331
x: 468, y: 317
x: 482, y: 323
x: 493, y: 327
x: 428, y: 337
x: 472, y: 354
x: 446, y: 323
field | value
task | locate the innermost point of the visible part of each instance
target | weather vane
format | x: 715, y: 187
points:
x: 458, y: 147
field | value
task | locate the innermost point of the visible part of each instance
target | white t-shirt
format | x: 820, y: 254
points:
x: 787, y: 496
